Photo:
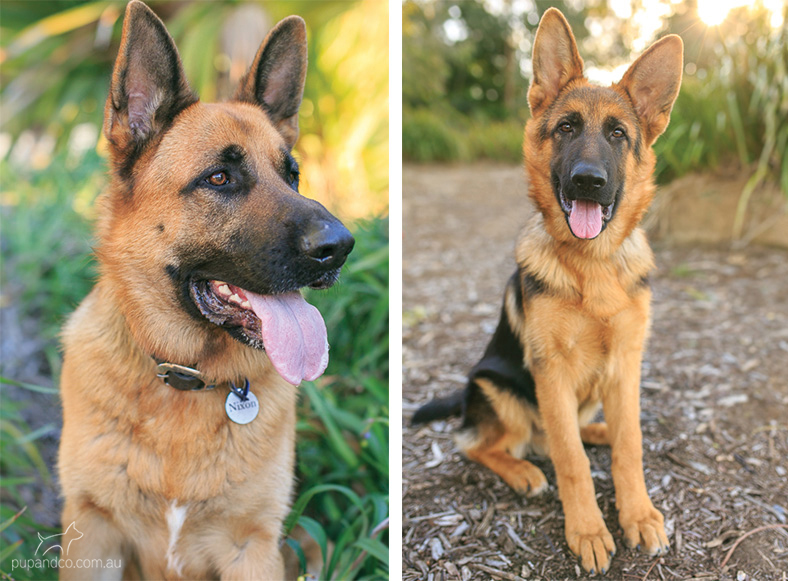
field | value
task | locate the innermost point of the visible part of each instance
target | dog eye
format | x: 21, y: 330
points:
x: 565, y: 127
x: 219, y: 178
x: 294, y: 176
x: 618, y: 133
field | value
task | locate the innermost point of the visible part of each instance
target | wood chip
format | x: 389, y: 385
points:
x: 518, y: 541
x: 436, y: 548
x: 498, y: 573
x: 460, y: 530
x: 451, y: 568
x: 437, y: 456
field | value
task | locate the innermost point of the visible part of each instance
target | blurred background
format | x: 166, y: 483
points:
x: 466, y: 70
x: 56, y: 58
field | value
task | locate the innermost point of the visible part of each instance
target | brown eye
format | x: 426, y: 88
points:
x: 219, y: 178
x: 618, y: 133
x: 565, y: 127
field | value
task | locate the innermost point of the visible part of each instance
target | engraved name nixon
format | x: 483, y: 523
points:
x: 242, y: 405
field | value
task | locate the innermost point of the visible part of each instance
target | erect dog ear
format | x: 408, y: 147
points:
x: 275, y: 81
x: 653, y: 82
x: 148, y: 87
x: 555, y: 60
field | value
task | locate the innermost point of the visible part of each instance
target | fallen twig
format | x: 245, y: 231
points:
x: 657, y: 560
x: 497, y: 572
x: 744, y: 536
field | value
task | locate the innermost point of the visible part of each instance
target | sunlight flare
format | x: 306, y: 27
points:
x: 714, y: 12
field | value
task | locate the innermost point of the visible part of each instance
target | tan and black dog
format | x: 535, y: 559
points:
x: 178, y: 382
x: 576, y: 311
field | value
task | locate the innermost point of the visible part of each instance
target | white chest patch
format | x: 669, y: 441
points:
x: 176, y: 516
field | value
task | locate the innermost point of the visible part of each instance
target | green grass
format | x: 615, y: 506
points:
x: 23, y: 470
x: 342, y: 443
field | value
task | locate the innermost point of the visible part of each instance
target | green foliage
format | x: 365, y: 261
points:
x: 21, y: 467
x: 343, y: 423
x: 37, y: 236
x: 464, y: 93
x: 465, y: 56
x: 497, y: 140
x: 737, y: 111
x: 431, y: 136
x: 736, y: 106
x: 425, y: 68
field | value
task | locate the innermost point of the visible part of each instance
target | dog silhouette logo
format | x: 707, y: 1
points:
x: 55, y: 538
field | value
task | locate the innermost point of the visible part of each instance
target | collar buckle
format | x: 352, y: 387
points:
x: 183, y: 378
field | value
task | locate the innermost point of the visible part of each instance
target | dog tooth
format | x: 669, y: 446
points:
x: 225, y: 290
x: 235, y: 298
x: 246, y: 305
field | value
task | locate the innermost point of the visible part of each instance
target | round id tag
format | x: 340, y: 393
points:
x: 240, y: 411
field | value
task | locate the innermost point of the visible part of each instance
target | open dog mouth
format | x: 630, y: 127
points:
x: 290, y: 330
x: 586, y: 218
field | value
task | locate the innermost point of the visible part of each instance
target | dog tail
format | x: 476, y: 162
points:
x: 440, y: 408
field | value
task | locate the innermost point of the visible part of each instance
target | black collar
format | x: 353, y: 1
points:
x: 183, y: 378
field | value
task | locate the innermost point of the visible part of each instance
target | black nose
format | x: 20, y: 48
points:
x: 588, y: 177
x: 327, y: 243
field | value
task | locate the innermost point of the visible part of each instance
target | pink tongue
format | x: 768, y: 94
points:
x: 294, y: 335
x: 585, y: 219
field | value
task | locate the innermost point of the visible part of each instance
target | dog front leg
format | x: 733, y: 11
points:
x: 586, y: 532
x: 258, y: 557
x: 643, y: 525
x: 92, y: 546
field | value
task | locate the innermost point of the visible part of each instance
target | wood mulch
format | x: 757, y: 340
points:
x: 714, y: 401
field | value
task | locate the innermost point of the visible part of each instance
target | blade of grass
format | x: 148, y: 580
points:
x: 303, y: 500
x: 30, y: 449
x: 30, y: 386
x: 336, y: 440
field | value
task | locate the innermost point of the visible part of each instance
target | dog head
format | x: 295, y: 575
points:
x: 205, y: 230
x: 588, y: 149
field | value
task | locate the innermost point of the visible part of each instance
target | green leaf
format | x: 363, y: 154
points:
x: 303, y: 500
x: 374, y: 548
x: 8, y: 522
x: 315, y: 530
x: 30, y: 386
x: 296, y: 546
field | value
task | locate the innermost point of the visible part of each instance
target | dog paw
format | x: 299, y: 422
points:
x: 527, y: 479
x: 645, y: 531
x: 594, y: 547
x: 595, y: 434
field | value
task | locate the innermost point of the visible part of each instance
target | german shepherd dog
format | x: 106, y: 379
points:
x: 178, y: 380
x: 576, y: 311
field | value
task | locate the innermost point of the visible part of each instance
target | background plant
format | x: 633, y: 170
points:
x: 734, y: 107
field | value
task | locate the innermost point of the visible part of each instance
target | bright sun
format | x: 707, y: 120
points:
x: 713, y: 12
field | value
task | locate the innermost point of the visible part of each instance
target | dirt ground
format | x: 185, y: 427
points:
x: 714, y: 399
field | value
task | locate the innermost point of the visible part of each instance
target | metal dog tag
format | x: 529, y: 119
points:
x: 240, y: 411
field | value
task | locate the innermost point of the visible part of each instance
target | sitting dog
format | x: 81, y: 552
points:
x: 576, y: 311
x: 177, y: 452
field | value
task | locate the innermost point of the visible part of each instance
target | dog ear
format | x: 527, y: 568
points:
x: 555, y: 60
x: 148, y: 87
x: 275, y: 81
x: 653, y: 82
